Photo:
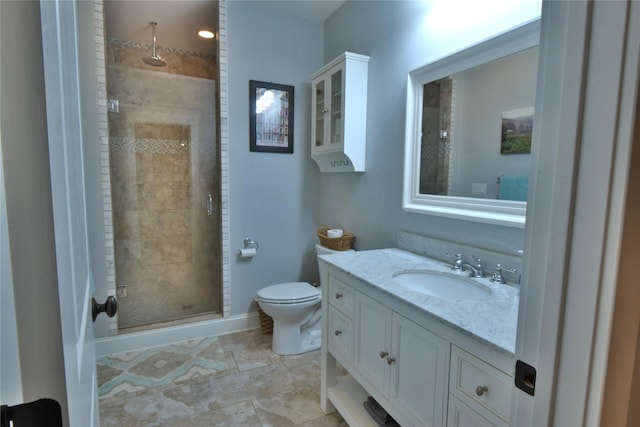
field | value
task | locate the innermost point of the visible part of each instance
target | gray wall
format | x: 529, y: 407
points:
x: 396, y: 36
x: 280, y: 199
x: 27, y: 181
x: 482, y: 95
x: 274, y: 198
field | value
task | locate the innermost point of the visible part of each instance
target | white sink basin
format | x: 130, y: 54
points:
x: 442, y: 285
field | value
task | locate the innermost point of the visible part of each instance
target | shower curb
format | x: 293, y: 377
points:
x: 159, y: 337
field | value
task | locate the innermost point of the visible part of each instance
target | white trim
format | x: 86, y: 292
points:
x: 158, y: 337
x: 499, y: 212
x: 574, y: 218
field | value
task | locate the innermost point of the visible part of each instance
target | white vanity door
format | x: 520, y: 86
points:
x: 419, y: 372
x: 372, y: 326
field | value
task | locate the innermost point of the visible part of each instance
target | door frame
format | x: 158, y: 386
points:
x: 577, y: 199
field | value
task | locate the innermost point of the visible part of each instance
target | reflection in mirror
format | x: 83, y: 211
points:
x: 469, y: 131
x: 476, y: 130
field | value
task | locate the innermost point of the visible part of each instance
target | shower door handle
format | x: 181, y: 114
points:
x: 209, y: 204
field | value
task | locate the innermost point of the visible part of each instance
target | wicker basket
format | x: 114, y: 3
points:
x: 266, y: 322
x: 343, y: 243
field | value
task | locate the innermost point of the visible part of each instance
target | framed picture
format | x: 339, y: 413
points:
x: 516, y: 131
x: 270, y: 117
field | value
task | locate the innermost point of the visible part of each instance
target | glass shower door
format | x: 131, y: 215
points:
x: 164, y: 193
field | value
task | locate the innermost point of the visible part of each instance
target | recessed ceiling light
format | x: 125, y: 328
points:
x: 206, y: 34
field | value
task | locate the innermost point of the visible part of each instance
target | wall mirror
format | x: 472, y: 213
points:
x: 468, y: 131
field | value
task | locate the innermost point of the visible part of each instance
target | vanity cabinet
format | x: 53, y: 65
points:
x: 339, y: 114
x: 421, y: 371
x: 477, y: 388
x: 403, y: 361
x: 339, y: 321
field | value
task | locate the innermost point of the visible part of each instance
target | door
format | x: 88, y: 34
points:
x: 64, y: 121
x: 419, y: 373
x: 574, y: 226
x: 372, y: 326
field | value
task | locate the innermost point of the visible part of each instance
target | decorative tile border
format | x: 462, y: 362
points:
x: 137, y: 45
x: 121, y: 144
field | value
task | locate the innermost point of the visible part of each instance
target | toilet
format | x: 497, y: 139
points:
x: 295, y: 310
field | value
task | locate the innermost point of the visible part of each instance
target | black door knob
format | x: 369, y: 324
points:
x: 110, y: 307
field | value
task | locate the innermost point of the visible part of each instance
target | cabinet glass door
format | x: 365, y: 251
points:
x: 336, y: 108
x: 320, y: 110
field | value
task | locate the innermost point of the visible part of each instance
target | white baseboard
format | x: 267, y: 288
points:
x: 158, y: 337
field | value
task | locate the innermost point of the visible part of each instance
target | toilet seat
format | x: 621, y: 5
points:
x: 289, y: 293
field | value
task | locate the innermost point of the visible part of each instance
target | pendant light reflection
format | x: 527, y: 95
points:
x: 264, y: 101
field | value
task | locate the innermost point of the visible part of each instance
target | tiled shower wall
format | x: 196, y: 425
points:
x: 163, y: 164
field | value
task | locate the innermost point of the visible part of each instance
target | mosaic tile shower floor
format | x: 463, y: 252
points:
x: 232, y: 380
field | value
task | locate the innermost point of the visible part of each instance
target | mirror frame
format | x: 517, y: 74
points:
x: 500, y: 212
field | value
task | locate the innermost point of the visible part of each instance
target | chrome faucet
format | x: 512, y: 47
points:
x: 457, y: 264
x: 475, y: 270
x: 460, y: 265
x: 498, y: 277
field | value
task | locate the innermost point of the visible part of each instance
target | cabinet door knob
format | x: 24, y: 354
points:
x: 383, y: 354
x: 481, y: 389
x: 338, y: 333
x: 390, y: 360
x: 338, y: 295
x: 325, y: 110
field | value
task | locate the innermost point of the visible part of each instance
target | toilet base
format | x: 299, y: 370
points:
x: 288, y: 339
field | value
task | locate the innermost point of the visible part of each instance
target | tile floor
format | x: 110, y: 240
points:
x: 231, y: 380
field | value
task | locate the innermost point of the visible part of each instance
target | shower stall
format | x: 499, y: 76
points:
x: 165, y: 192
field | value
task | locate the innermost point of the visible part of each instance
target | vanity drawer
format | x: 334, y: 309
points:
x: 461, y: 415
x: 340, y: 335
x: 341, y: 295
x: 472, y: 379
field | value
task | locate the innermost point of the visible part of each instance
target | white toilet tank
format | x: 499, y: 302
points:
x: 323, y: 250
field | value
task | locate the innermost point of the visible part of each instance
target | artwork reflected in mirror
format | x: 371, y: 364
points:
x: 476, y: 130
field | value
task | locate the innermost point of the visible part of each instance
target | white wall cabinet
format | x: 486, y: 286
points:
x: 339, y: 114
x: 421, y: 371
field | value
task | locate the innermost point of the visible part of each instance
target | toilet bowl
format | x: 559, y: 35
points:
x: 295, y: 310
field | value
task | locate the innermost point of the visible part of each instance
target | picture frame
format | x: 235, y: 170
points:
x: 271, y: 107
x: 516, y: 131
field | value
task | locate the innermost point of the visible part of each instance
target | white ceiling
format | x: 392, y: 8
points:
x: 316, y: 10
x: 178, y: 21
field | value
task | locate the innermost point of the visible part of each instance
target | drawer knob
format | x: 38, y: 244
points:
x: 390, y: 360
x: 481, y: 389
x: 383, y: 354
x: 338, y: 333
x: 338, y: 295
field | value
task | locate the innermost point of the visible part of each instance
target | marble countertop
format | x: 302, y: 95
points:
x: 492, y: 321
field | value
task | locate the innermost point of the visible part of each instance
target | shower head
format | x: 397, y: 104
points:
x: 154, y: 59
